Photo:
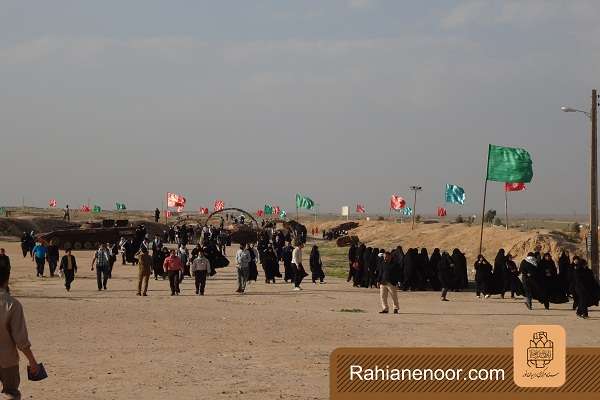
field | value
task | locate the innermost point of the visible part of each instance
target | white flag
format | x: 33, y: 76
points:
x: 345, y: 211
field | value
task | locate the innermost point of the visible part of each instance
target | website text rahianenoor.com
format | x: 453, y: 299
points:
x: 377, y: 373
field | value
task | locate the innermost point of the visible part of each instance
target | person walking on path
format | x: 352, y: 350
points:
x: 68, y: 265
x: 13, y: 336
x: 172, y: 265
x: 145, y: 269
x: 199, y: 268
x: 52, y: 257
x: 388, y: 283
x: 4, y: 259
x: 243, y: 259
x: 38, y: 254
x: 316, y: 266
x: 102, y: 261
x: 299, y: 272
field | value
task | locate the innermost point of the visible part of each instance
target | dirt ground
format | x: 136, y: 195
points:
x: 272, y: 343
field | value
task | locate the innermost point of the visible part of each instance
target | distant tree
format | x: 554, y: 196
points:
x: 418, y: 218
x: 459, y: 219
x: 498, y: 221
x: 489, y: 216
x: 380, y: 218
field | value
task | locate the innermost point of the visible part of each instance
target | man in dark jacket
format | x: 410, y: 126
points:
x: 387, y: 276
x: 52, y: 256
x: 68, y: 265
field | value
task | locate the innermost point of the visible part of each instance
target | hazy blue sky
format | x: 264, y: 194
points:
x: 250, y: 101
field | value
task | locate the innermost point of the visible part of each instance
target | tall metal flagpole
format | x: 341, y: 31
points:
x: 594, y: 186
x: 484, y: 196
x: 506, y: 206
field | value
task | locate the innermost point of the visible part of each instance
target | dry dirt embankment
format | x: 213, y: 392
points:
x: 387, y: 234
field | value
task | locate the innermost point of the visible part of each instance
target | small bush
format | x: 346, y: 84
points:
x: 498, y: 221
x: 418, y: 218
x: 459, y: 219
x: 489, y: 216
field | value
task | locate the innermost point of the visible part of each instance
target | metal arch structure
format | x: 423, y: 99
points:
x: 246, y: 213
x: 189, y: 218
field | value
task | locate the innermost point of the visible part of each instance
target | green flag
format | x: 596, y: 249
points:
x: 121, y: 206
x: 282, y: 214
x: 304, y: 202
x: 97, y: 209
x: 268, y: 209
x: 455, y: 194
x: 509, y: 164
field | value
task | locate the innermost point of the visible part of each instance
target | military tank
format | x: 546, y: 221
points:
x: 89, y: 235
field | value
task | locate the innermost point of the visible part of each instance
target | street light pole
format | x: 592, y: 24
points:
x: 594, y: 185
x: 415, y: 189
x: 592, y: 115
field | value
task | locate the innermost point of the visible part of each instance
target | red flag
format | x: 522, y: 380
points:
x: 179, y: 209
x: 203, y: 210
x: 397, y: 202
x: 441, y: 211
x: 52, y: 203
x: 360, y: 209
x: 276, y: 210
x: 260, y: 213
x: 514, y: 187
x: 219, y: 205
x: 85, y: 208
x: 169, y: 214
x: 175, y: 200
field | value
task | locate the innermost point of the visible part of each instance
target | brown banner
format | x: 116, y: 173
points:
x: 466, y: 373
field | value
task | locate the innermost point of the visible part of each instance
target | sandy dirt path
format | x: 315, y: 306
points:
x: 268, y: 344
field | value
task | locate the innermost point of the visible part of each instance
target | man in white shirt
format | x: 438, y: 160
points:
x: 243, y: 259
x: 299, y: 272
x: 200, y: 267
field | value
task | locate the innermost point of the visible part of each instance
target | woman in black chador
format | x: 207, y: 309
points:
x: 366, y: 265
x: 514, y: 283
x: 446, y: 274
x: 500, y: 273
x: 270, y: 265
x: 352, y: 261
x: 483, y: 277
x: 462, y: 276
x: 422, y: 269
x: 409, y: 269
x: 316, y: 266
x: 586, y: 291
x: 550, y: 281
x: 373, y: 263
x: 564, y: 265
x: 432, y: 273
x: 359, y: 266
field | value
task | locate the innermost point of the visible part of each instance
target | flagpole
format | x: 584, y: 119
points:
x: 484, y: 197
x: 506, y: 206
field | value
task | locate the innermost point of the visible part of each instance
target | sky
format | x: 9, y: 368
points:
x: 345, y: 101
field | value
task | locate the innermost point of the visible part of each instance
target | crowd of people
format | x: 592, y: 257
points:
x: 536, y: 278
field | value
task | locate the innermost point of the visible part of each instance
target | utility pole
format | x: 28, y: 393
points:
x: 594, y: 185
x: 415, y: 189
